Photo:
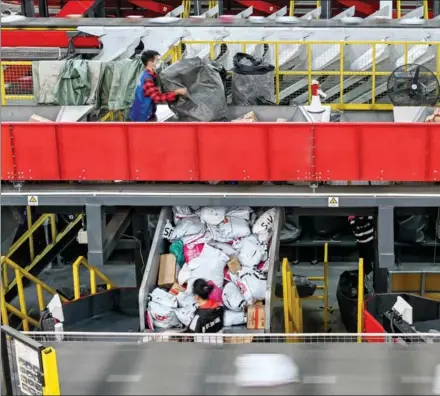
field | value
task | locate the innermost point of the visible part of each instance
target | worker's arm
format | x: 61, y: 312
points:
x: 152, y: 91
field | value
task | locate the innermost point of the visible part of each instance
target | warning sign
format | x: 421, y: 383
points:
x: 333, y: 202
x: 32, y: 200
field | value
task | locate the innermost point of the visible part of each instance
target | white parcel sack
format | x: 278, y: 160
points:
x: 185, y: 300
x: 182, y: 212
x: 231, y: 228
x: 251, y: 283
x: 162, y: 316
x: 209, y: 266
x: 243, y: 212
x: 263, y: 226
x: 212, y: 216
x: 252, y: 252
x: 232, y: 318
x: 185, y: 315
x: 226, y: 248
x: 232, y: 297
x: 184, y: 275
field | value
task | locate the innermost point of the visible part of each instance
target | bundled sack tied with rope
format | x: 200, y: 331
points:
x: 206, y: 100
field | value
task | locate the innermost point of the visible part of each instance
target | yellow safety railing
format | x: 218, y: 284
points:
x: 117, y: 115
x: 342, y: 57
x: 93, y: 272
x: 360, y: 307
x: 186, y: 9
x: 28, y: 235
x: 425, y: 9
x: 324, y: 296
x: 292, y: 6
x: 13, y: 82
x: 50, y: 371
x: 340, y: 67
x: 293, y: 316
x: 22, y: 313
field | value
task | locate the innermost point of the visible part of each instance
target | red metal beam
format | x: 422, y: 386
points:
x: 303, y: 152
x: 263, y: 6
x: 158, y: 8
x: 45, y: 38
x: 75, y: 7
x: 362, y: 7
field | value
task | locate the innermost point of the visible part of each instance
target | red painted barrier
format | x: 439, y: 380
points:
x: 220, y: 151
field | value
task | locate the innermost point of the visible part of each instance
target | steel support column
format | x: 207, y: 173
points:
x: 326, y: 9
x: 115, y: 228
x: 28, y: 8
x: 95, y: 218
x: 385, y: 232
x: 142, y: 235
x: 197, y: 7
x: 436, y: 8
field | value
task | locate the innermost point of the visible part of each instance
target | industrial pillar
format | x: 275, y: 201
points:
x: 197, y: 7
x: 386, y: 258
x: 142, y: 235
x: 96, y: 222
x: 326, y: 9
x: 28, y: 8
x: 436, y: 8
x: 43, y: 8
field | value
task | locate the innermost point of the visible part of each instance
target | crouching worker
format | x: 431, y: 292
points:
x: 208, y: 317
x: 147, y: 93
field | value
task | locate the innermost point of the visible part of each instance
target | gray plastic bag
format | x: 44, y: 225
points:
x: 253, y: 80
x: 206, y: 100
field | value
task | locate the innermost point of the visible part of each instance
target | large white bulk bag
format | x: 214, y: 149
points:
x: 232, y: 228
x: 162, y: 316
x: 209, y: 266
x: 263, y: 226
x: 252, y: 284
x: 233, y: 318
x: 232, y: 297
x: 212, y: 216
x: 251, y: 252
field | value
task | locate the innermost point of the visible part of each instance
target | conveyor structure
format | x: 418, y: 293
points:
x: 361, y: 66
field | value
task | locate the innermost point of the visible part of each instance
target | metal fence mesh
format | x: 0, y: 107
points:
x: 231, y: 338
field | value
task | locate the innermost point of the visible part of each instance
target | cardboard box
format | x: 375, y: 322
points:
x: 248, y: 117
x: 176, y: 289
x: 238, y: 339
x: 167, y: 270
x: 256, y: 317
x: 37, y: 118
x: 234, y: 265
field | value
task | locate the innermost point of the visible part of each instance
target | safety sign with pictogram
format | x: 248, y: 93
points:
x: 333, y: 202
x: 32, y: 200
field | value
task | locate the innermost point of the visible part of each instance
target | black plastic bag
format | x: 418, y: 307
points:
x: 347, y: 296
x: 253, y: 80
x: 411, y: 229
x: 304, y: 286
x: 206, y: 100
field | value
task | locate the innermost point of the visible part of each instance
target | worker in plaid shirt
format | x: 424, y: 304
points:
x: 148, y: 94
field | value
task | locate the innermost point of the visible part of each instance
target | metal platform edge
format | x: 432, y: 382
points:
x: 123, y: 194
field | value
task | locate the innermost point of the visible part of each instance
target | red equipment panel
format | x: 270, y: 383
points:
x: 45, y: 38
x: 220, y: 151
x: 7, y: 157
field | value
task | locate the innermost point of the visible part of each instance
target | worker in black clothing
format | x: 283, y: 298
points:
x: 208, y: 317
x: 363, y: 231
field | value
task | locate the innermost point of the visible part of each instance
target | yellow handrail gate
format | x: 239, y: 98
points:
x: 28, y: 367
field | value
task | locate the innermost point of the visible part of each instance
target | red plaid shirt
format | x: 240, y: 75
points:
x: 151, y: 90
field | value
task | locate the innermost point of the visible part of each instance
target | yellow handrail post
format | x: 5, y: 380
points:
x: 5, y: 319
x: 425, y: 9
x: 399, y: 9
x: 50, y: 371
x: 360, y: 313
x: 53, y: 227
x: 2, y: 85
x: 326, y: 287
x: 292, y: 8
x: 286, y: 281
x: 21, y: 299
x: 93, y: 272
x: 31, y: 235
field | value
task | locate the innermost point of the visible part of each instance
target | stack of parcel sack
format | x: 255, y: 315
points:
x: 228, y: 247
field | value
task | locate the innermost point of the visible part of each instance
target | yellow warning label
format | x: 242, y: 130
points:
x: 32, y: 200
x: 333, y: 202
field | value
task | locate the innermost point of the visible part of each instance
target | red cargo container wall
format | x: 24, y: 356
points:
x: 220, y: 151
